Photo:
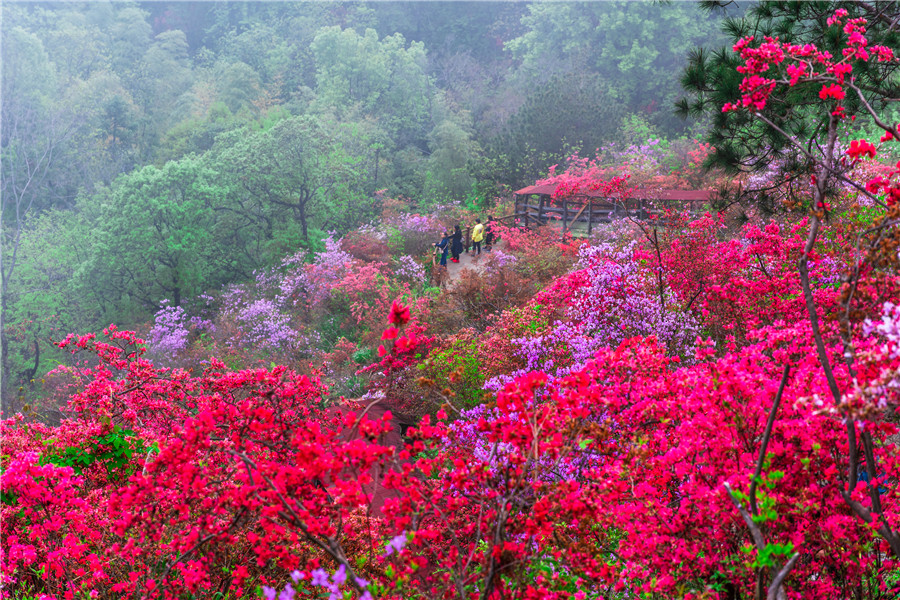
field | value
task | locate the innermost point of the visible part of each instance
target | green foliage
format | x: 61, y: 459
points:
x: 360, y: 75
x: 332, y: 326
x: 453, y: 149
x: 197, y: 135
x: 47, y: 297
x: 114, y: 451
x: 299, y: 169
x: 630, y: 46
x: 156, y: 236
x: 364, y: 356
x: 457, y: 367
x: 570, y: 112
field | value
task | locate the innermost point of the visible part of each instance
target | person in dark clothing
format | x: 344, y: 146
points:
x: 456, y: 247
x: 443, y: 247
x: 489, y: 234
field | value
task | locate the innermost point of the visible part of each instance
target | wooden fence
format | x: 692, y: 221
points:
x: 597, y: 210
x: 533, y: 208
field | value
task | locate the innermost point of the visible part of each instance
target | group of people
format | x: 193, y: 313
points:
x: 452, y: 241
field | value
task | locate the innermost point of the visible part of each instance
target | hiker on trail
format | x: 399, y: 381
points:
x: 456, y: 247
x: 477, y: 236
x: 443, y: 246
x: 489, y: 234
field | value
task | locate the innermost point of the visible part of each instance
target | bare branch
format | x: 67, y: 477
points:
x: 754, y: 528
x: 765, y: 439
x: 775, y: 591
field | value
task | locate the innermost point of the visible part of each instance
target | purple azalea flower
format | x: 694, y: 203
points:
x: 340, y: 576
x: 396, y: 544
x: 320, y: 577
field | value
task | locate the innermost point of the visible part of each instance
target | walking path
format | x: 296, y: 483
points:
x: 466, y: 261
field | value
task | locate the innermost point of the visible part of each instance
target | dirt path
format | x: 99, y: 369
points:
x: 466, y: 261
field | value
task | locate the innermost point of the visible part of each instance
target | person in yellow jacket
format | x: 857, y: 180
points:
x: 477, y: 236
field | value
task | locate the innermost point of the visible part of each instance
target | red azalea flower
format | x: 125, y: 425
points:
x: 399, y: 314
x: 860, y: 148
x: 832, y: 91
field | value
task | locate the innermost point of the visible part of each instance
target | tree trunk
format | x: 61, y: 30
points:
x: 6, y: 404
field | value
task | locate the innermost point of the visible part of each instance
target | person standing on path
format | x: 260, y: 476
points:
x: 477, y: 236
x: 456, y: 247
x: 489, y: 234
x: 443, y: 246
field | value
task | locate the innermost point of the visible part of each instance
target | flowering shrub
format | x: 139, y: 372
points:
x: 567, y: 482
x: 265, y: 326
x: 412, y: 234
x: 452, y: 372
x: 215, y: 490
x: 408, y: 268
x: 365, y: 247
x: 539, y: 253
x: 584, y: 175
x: 170, y: 330
x: 610, y: 297
x: 403, y: 346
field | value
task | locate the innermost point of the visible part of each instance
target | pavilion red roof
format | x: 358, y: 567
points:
x: 644, y: 194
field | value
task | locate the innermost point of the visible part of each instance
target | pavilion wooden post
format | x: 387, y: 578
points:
x: 540, y: 215
x: 565, y: 208
x: 590, y: 214
x: 578, y: 214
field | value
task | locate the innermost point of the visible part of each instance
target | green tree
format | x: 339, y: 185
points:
x: 44, y: 300
x: 570, y: 112
x: 156, y: 237
x: 636, y: 48
x: 130, y: 36
x: 361, y: 76
x: 33, y: 133
x: 298, y: 170
x: 453, y: 149
x: 165, y: 75
x: 238, y: 86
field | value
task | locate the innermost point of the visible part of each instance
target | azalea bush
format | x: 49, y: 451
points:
x: 169, y: 483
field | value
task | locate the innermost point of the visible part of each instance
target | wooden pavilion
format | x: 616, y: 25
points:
x: 535, y: 205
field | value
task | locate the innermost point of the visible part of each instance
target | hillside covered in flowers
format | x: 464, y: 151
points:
x: 693, y: 406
